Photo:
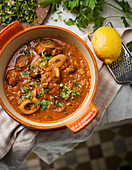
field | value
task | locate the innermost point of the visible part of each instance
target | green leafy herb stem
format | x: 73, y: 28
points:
x: 89, y: 11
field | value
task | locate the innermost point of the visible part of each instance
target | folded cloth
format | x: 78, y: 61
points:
x: 17, y: 141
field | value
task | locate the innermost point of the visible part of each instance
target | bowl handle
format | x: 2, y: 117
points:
x: 85, y: 119
x: 9, y: 32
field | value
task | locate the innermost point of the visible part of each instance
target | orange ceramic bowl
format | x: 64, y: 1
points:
x: 12, y: 37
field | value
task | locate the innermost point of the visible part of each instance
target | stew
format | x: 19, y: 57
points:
x: 47, y: 79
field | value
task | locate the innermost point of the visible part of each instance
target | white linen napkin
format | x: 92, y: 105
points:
x: 17, y: 141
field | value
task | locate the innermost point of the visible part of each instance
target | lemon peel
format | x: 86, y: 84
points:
x: 107, y: 44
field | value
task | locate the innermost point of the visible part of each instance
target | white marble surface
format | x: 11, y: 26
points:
x: 121, y: 107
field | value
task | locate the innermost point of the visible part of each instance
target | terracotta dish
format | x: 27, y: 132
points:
x: 12, y: 39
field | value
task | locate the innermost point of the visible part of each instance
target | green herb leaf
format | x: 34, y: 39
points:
x: 41, y: 93
x: 129, y: 45
x: 74, y: 93
x: 45, y: 58
x: 28, y: 45
x: 46, y: 2
x: 44, y: 104
x: 69, y: 22
x: 125, y: 21
x: 31, y: 97
x: 27, y: 51
x: 22, y: 98
x: 20, y: 51
x: 60, y: 12
x: 27, y: 81
x: 66, y: 113
x: 27, y: 95
x: 75, y: 83
x: 60, y: 104
x: 37, y: 103
x: 25, y: 73
x: 72, y: 4
x: 24, y: 90
x: 66, y: 92
x: 30, y: 67
x: 55, y: 20
x: 50, y: 42
x: 125, y: 6
x: 91, y: 3
x: 60, y: 17
x: 64, y: 95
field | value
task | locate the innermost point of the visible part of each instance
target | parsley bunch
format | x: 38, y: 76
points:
x: 89, y: 11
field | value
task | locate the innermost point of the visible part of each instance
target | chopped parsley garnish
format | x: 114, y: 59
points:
x: 75, y: 83
x: 43, y: 64
x: 28, y: 45
x: 45, y: 58
x: 27, y: 51
x: 27, y: 81
x: 60, y: 104
x: 37, y: 103
x: 27, y: 94
x: 25, y: 73
x: 50, y: 42
x: 31, y: 96
x: 20, y: 51
x: 24, y: 90
x: 22, y: 98
x: 32, y: 85
x: 41, y: 93
x: 57, y: 103
x: 68, y: 93
x: 44, y: 104
x: 30, y: 67
x: 66, y: 113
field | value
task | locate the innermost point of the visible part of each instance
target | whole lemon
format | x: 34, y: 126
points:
x: 107, y: 44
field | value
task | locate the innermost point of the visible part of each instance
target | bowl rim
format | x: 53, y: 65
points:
x: 95, y: 68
